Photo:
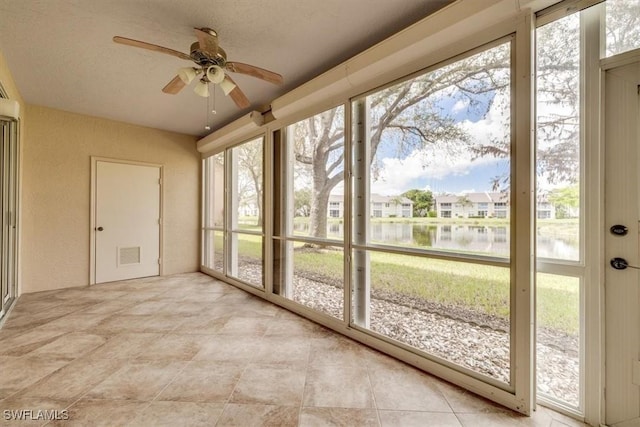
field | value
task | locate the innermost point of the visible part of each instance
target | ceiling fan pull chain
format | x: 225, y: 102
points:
x: 213, y: 111
x: 206, y: 113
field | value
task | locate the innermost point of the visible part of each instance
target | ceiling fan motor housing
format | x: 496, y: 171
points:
x: 204, y: 60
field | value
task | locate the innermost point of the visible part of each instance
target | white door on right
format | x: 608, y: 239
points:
x: 622, y: 285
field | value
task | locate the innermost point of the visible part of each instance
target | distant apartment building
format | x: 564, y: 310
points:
x: 545, y: 210
x: 473, y: 205
x: 484, y: 205
x: 380, y: 206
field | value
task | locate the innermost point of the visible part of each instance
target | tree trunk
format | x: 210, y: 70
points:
x: 260, y: 210
x: 318, y: 218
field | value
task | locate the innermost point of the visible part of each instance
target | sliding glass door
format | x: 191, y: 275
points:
x: 9, y: 212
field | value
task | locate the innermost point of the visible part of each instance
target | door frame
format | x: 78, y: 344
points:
x: 92, y: 215
x: 631, y: 244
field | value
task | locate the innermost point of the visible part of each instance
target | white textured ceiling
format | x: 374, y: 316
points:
x: 61, y: 52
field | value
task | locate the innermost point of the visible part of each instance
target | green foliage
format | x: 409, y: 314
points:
x: 422, y: 201
x: 302, y: 202
x: 564, y: 199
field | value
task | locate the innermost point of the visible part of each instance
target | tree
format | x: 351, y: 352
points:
x: 623, y: 26
x: 409, y: 113
x: 302, y: 202
x: 414, y: 114
x: 464, y: 202
x: 566, y: 201
x: 318, y: 143
x: 422, y: 201
x: 249, y: 157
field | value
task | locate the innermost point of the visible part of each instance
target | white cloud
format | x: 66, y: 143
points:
x: 463, y: 192
x: 399, y: 175
x: 434, y: 163
x: 459, y: 106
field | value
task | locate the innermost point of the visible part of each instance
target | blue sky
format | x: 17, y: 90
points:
x: 432, y: 168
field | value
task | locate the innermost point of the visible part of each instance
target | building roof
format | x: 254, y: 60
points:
x: 485, y: 197
x: 374, y: 198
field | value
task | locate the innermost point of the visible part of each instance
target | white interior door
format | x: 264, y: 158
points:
x: 127, y: 223
x: 622, y: 287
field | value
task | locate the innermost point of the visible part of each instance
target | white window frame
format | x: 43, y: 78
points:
x: 588, y: 269
x: 229, y: 231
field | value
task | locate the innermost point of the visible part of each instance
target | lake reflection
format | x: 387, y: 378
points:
x: 484, y: 239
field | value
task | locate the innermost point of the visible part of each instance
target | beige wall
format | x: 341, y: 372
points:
x: 56, y: 193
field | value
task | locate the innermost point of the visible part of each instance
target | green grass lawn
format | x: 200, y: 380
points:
x: 473, y: 286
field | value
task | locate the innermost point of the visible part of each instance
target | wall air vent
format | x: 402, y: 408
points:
x: 129, y: 255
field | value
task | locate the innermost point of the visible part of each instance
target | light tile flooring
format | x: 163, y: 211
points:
x: 190, y: 350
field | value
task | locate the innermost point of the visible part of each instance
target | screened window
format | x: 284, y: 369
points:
x: 561, y: 199
x: 233, y: 221
x: 622, y: 26
x: 308, y: 240
x: 213, y: 212
x: 246, y: 221
x: 436, y: 127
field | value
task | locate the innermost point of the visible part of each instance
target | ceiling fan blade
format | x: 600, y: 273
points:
x: 252, y: 70
x: 149, y: 46
x: 208, y: 42
x: 174, y: 86
x: 238, y: 95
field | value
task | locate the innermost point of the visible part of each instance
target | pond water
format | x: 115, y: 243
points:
x: 471, y: 238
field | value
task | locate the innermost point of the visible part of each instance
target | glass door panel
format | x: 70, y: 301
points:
x: 560, y: 210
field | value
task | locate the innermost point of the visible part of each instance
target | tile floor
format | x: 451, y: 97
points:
x: 190, y: 350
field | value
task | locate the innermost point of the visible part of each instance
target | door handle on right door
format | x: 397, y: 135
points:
x: 99, y: 229
x: 621, y: 264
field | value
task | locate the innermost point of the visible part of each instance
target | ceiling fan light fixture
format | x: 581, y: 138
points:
x: 227, y: 86
x: 215, y: 74
x: 187, y: 74
x: 202, y: 89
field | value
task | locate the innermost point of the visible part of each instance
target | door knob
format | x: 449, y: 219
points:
x: 99, y: 228
x: 619, y: 230
x: 621, y: 264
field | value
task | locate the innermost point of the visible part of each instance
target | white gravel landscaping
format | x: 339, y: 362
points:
x: 462, y: 336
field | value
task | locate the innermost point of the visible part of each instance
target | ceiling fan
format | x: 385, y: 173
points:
x: 211, y: 67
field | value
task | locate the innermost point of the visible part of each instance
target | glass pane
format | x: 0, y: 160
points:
x: 439, y: 150
x: 622, y: 26
x: 213, y: 251
x: 214, y: 190
x: 558, y: 337
x: 486, y: 239
x: 314, y: 276
x: 247, y: 186
x: 246, y: 259
x: 558, y: 144
x: 456, y: 311
x: 316, y: 177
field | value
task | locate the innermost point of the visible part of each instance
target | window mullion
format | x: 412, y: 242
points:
x: 361, y: 230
